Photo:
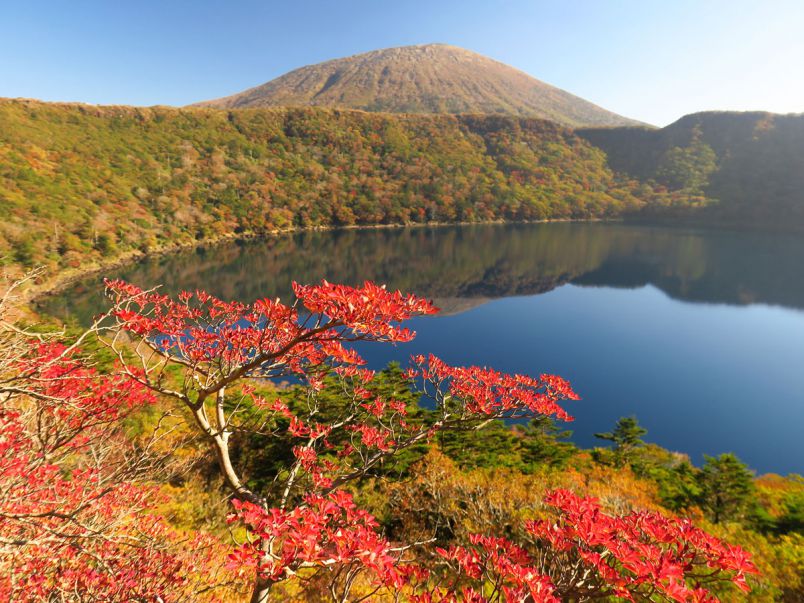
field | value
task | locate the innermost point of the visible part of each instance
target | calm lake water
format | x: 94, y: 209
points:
x: 700, y: 334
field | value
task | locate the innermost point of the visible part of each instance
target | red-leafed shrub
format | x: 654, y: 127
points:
x: 587, y: 554
x: 209, y: 356
x: 77, y: 519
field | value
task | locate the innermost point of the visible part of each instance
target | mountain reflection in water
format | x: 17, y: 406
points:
x: 463, y: 266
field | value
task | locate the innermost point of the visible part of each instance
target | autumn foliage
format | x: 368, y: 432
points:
x: 87, y: 183
x: 76, y: 509
x: 592, y: 554
x: 78, y: 504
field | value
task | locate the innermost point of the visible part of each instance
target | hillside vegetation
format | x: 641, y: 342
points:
x: 132, y: 471
x: 724, y: 168
x: 79, y: 184
x: 431, y: 78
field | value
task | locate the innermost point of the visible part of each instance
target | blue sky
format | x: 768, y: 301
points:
x: 652, y: 60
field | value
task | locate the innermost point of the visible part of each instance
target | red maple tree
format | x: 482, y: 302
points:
x: 309, y: 522
x: 76, y: 498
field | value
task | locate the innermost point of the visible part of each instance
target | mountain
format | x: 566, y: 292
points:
x: 432, y: 78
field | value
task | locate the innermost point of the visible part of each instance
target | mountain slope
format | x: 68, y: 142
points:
x: 432, y: 78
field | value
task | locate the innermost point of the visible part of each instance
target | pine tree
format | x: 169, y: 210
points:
x: 728, y: 487
x: 627, y: 437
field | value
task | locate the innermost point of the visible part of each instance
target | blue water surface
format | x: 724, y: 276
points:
x: 700, y: 334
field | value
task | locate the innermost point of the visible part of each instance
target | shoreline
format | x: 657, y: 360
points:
x: 63, y: 279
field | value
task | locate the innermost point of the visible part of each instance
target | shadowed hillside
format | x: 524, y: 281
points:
x: 724, y: 168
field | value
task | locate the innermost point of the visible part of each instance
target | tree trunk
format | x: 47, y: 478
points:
x: 262, y: 588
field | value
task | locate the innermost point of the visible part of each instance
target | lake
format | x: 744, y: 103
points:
x: 700, y: 334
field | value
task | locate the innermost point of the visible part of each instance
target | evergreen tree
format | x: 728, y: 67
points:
x: 627, y: 437
x: 543, y: 443
x: 728, y: 487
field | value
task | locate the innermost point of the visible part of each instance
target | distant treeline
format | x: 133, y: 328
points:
x: 79, y: 184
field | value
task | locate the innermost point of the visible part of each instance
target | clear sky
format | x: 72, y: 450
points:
x: 653, y: 60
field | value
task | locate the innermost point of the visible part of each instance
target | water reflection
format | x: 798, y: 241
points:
x: 704, y: 378
x: 461, y: 267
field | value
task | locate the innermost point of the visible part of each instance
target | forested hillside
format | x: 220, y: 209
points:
x: 80, y: 183
x: 724, y: 168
